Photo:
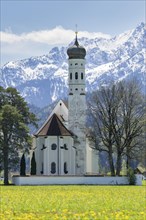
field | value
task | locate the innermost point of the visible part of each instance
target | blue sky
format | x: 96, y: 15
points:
x: 30, y: 28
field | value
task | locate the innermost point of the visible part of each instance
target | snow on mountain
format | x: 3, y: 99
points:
x: 43, y: 79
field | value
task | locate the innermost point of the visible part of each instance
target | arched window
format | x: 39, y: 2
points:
x: 65, y: 147
x: 42, y: 171
x: 53, y: 167
x: 82, y: 75
x: 70, y: 75
x: 65, y: 168
x: 53, y: 147
x: 76, y: 75
x: 76, y: 64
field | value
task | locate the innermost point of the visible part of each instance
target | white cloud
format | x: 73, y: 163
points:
x: 55, y: 36
x: 24, y: 45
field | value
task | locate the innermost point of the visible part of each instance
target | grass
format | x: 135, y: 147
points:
x: 72, y: 202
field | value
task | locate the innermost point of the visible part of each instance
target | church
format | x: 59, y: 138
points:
x: 61, y: 144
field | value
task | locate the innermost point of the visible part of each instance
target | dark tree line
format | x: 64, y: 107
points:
x: 117, y: 116
x: 14, y: 132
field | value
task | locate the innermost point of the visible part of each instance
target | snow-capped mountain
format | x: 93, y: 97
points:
x: 43, y: 79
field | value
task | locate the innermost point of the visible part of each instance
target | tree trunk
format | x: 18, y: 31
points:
x: 119, y: 163
x: 111, y: 163
x: 128, y: 162
x: 128, y: 158
x: 6, y: 170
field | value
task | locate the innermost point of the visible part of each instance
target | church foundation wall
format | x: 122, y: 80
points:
x: 73, y: 180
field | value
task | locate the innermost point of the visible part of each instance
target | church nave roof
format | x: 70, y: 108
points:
x: 54, y: 127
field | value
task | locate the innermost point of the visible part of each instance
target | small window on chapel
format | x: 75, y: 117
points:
x: 53, y: 167
x: 53, y: 147
x: 76, y: 75
x: 65, y: 147
x: 82, y: 75
x: 65, y: 168
x: 70, y: 75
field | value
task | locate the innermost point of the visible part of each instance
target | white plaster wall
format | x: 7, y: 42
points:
x: 59, y: 156
x: 39, y: 154
x: 92, y: 158
x: 69, y: 155
x: 95, y: 161
x: 53, y: 154
x: 61, y: 110
x: 72, y: 161
x: 88, y: 160
x: 73, y: 180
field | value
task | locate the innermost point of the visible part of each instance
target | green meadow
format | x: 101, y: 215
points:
x: 72, y: 202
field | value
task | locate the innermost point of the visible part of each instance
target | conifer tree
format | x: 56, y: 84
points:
x: 14, y: 132
x: 33, y: 165
x: 22, y: 166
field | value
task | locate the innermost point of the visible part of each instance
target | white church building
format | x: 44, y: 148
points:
x: 61, y: 144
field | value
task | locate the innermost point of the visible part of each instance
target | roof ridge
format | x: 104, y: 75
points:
x: 54, y: 127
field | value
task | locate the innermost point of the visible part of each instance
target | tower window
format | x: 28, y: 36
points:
x: 53, y: 167
x: 76, y: 75
x: 65, y: 168
x: 42, y: 171
x: 70, y: 75
x: 81, y: 64
x: 76, y: 89
x: 53, y: 147
x: 71, y: 64
x: 65, y: 147
x: 76, y: 64
x: 82, y: 75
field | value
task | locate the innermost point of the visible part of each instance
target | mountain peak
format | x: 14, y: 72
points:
x: 44, y: 79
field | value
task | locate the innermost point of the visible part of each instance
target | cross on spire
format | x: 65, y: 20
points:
x: 76, y: 29
x: 76, y: 40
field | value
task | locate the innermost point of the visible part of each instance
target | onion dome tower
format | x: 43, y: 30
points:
x: 77, y: 102
x: 76, y: 51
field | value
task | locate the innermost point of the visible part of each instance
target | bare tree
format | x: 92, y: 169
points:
x: 103, y: 107
x: 116, y: 114
x: 128, y: 124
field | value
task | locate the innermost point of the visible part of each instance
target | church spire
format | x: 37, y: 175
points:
x: 76, y: 39
x: 76, y: 51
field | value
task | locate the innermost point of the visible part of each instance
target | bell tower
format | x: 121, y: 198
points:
x: 77, y: 102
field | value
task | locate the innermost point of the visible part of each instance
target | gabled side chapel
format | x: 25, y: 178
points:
x: 61, y: 145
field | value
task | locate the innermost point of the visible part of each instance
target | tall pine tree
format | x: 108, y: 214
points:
x: 33, y: 165
x: 22, y: 166
x: 14, y: 132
